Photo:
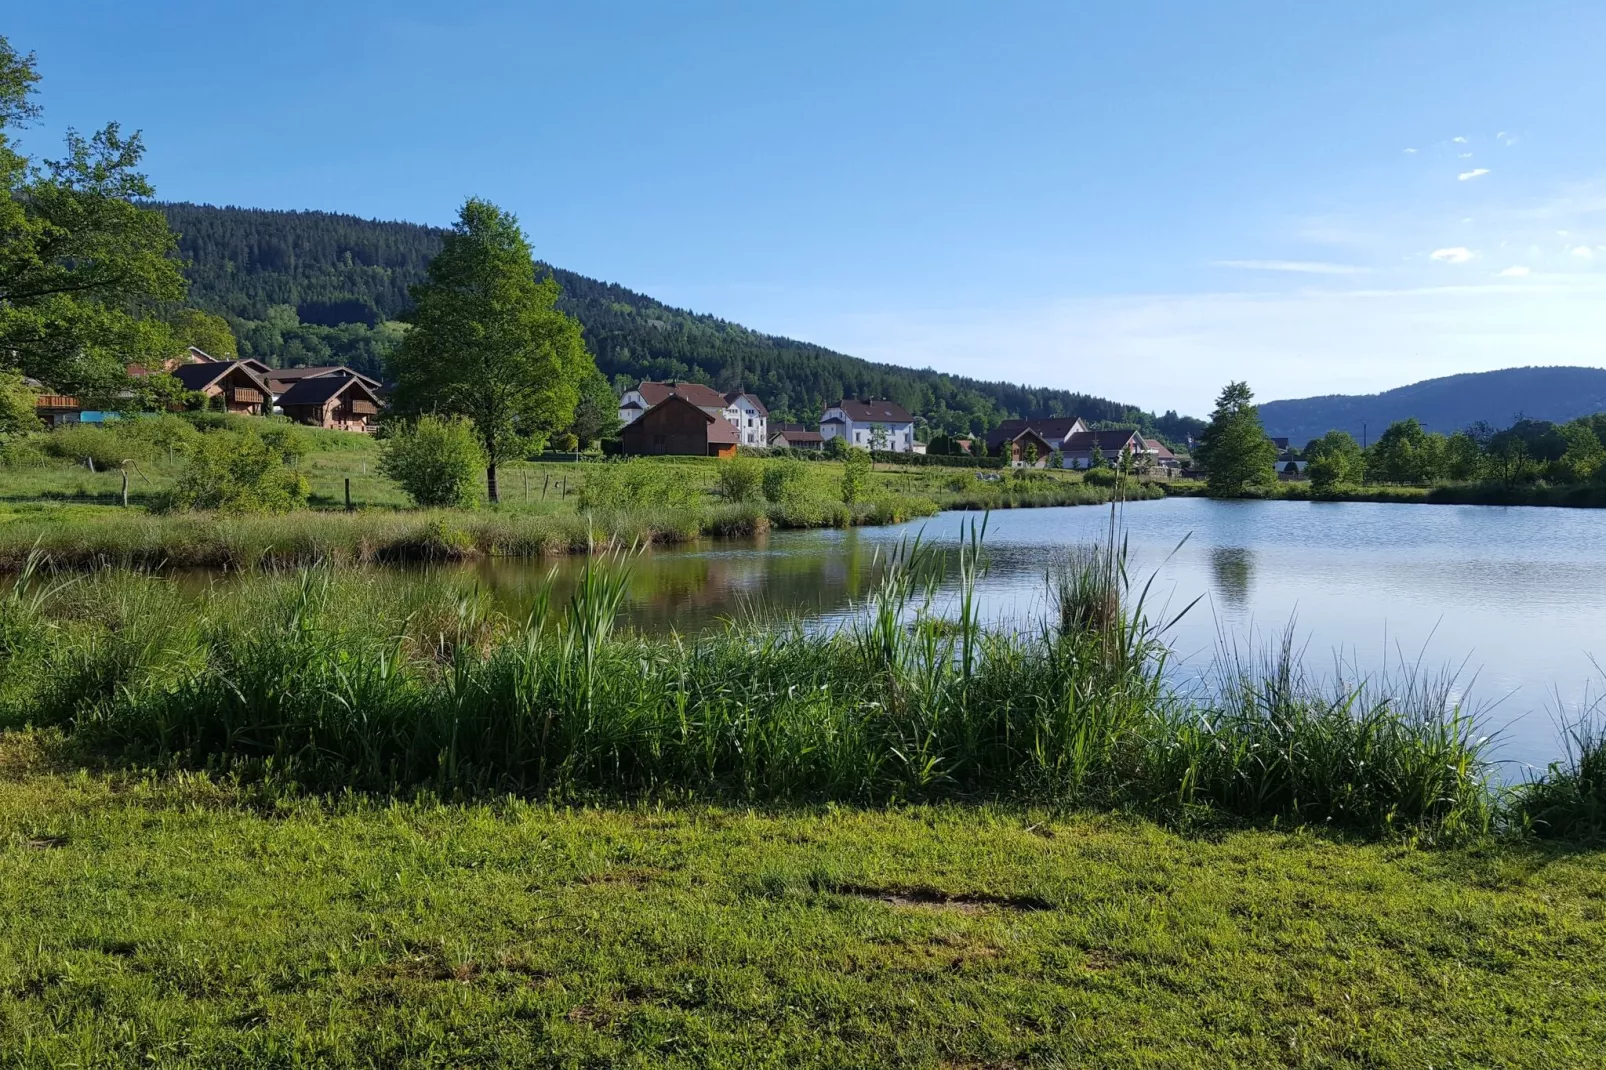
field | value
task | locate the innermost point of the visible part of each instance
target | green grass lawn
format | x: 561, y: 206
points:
x: 177, y: 921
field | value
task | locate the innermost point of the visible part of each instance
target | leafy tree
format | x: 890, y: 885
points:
x: 1463, y: 457
x: 1056, y: 458
x: 1508, y: 459
x: 18, y: 415
x: 878, y: 436
x: 1028, y: 455
x: 79, y: 258
x: 1584, y: 454
x: 488, y: 342
x: 1234, y: 449
x: 1405, y: 453
x: 437, y: 462
x: 596, y: 415
x: 206, y: 332
x: 855, y: 474
x: 1334, y: 459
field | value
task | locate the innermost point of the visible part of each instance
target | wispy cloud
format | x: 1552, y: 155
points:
x: 1584, y: 251
x: 1459, y: 140
x: 1306, y: 267
x: 1476, y: 172
x: 1458, y: 254
x: 1410, y: 152
x: 1516, y: 271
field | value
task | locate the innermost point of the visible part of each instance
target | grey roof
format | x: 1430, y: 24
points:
x: 319, y: 389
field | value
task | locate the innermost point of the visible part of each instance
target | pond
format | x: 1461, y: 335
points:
x: 1511, y: 600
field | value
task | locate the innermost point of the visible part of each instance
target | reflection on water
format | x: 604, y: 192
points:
x: 1516, y: 596
x: 1232, y: 568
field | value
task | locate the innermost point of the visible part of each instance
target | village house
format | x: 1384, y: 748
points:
x: 1055, y: 430
x: 750, y: 417
x: 797, y: 437
x: 680, y: 426
x: 336, y: 401
x: 281, y: 380
x: 239, y: 384
x: 636, y: 402
x: 870, y: 424
x: 1029, y: 450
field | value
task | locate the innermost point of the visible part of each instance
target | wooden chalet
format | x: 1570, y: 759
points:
x: 338, y: 402
x: 238, y: 383
x: 57, y: 410
x: 281, y: 380
x: 680, y: 427
x: 797, y: 437
x: 1029, y: 444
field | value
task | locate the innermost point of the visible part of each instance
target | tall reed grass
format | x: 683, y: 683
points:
x: 353, y: 680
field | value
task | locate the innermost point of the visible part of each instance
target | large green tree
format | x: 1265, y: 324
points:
x: 86, y: 272
x: 1234, y: 449
x: 1405, y: 453
x: 1335, y: 459
x: 488, y: 342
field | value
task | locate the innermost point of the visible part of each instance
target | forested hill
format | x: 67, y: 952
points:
x: 315, y: 287
x: 1447, y: 405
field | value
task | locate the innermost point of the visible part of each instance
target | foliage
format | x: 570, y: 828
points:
x: 1101, y: 476
x: 1405, y: 453
x: 785, y: 481
x: 1463, y: 457
x: 741, y: 479
x: 437, y: 462
x: 488, y: 343
x: 856, y: 466
x: 1335, y: 459
x: 635, y: 483
x: 80, y: 255
x: 334, y: 283
x: 207, y: 332
x: 1584, y: 454
x: 596, y: 414
x: 18, y: 415
x: 240, y: 472
x: 1234, y: 449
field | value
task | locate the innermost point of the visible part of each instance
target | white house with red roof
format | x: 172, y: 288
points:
x: 869, y: 423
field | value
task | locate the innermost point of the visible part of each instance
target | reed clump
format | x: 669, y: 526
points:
x: 339, y: 679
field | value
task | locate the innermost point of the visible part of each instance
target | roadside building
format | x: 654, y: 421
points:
x: 870, y: 423
x: 679, y: 426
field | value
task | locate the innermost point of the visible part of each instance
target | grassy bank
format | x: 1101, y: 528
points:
x: 1583, y: 496
x: 188, y: 921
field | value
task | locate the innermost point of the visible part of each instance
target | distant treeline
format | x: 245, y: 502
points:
x: 302, y: 288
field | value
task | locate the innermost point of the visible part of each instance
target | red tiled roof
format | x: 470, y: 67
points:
x: 731, y: 399
x: 704, y: 397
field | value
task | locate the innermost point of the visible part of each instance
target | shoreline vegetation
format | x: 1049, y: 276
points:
x: 340, y: 680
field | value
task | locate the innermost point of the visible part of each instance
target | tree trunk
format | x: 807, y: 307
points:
x: 490, y: 484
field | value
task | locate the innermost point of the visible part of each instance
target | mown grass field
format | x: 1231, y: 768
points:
x: 181, y: 921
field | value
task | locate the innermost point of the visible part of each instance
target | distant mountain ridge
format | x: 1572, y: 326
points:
x: 308, y: 288
x: 1557, y: 394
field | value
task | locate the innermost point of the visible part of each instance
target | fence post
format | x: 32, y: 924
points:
x: 125, y: 488
x: 348, y: 494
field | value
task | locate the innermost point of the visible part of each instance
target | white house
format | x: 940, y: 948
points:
x: 637, y: 401
x: 750, y: 417
x: 870, y: 424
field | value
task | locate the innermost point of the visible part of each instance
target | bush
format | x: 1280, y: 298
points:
x: 102, y: 445
x: 237, y: 473
x: 786, y: 482
x: 855, y: 473
x: 634, y: 483
x: 1101, y: 477
x: 437, y: 462
x: 740, y: 479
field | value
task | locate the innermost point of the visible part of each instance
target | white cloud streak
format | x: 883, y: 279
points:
x: 1476, y: 172
x: 1458, y: 254
x: 1303, y: 267
x: 1516, y: 271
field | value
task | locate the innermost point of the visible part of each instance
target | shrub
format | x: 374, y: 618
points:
x: 437, y: 462
x: 740, y: 479
x: 102, y: 445
x: 786, y: 482
x: 1101, y: 477
x: 634, y: 483
x: 855, y: 473
x: 237, y: 473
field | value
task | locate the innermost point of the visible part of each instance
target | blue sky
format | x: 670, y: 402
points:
x: 1139, y: 200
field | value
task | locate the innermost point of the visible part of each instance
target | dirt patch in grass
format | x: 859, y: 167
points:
x: 932, y: 899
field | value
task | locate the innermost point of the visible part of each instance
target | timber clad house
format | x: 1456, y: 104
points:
x: 238, y: 384
x: 1078, y: 444
x: 870, y: 424
x: 797, y: 437
x: 679, y: 426
x: 339, y: 402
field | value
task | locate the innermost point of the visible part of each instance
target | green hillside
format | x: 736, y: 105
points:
x: 317, y: 287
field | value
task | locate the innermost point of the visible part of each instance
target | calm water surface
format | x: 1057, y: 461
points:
x: 1513, y: 600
